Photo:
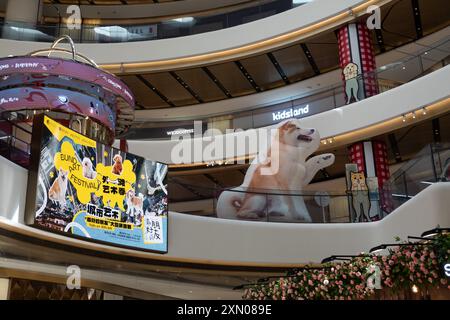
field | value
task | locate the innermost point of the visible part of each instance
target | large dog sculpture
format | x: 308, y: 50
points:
x: 283, y: 170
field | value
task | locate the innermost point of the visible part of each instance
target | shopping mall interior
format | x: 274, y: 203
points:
x: 224, y: 150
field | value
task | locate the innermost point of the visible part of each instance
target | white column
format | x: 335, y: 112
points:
x: 4, y: 288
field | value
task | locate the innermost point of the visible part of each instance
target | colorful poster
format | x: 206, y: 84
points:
x: 81, y: 187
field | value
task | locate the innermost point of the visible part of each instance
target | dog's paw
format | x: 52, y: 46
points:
x: 247, y: 215
x: 276, y: 214
x: 326, y: 159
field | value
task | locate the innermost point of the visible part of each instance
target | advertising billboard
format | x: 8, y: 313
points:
x: 82, y: 188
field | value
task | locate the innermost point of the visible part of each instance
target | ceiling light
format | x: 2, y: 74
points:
x: 414, y: 289
x: 404, y: 118
x: 413, y: 114
x: 116, y: 32
x: 424, y: 111
x: 63, y: 99
x: 184, y: 19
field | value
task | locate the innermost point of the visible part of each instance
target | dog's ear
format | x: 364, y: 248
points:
x: 288, y: 125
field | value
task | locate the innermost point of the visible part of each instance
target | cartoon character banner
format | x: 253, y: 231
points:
x: 90, y: 190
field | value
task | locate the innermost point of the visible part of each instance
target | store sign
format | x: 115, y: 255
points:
x: 290, y: 113
x: 183, y: 129
x: 288, y: 110
x: 179, y: 132
x: 85, y: 189
x: 447, y: 270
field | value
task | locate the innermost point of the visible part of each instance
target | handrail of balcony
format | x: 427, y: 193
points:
x: 168, y: 28
x: 386, y: 77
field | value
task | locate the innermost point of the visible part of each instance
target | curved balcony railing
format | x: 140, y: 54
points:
x: 385, y: 78
x: 171, y: 28
x: 429, y: 166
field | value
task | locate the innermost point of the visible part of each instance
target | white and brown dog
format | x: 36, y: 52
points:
x: 57, y: 191
x: 276, y: 174
x: 88, y: 169
x: 135, y: 204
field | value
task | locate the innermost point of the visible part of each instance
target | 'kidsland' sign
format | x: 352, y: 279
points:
x: 83, y: 188
x: 290, y: 113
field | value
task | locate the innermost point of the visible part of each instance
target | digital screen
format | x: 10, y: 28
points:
x: 83, y: 188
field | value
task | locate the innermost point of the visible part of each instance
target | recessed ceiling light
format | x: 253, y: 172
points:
x: 184, y: 19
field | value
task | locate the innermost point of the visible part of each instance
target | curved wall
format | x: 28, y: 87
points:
x: 279, y: 243
x: 407, y: 53
x: 134, y: 11
x: 374, y: 110
x: 205, y: 240
x: 214, y: 46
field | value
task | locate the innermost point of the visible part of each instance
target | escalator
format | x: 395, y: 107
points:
x: 429, y: 166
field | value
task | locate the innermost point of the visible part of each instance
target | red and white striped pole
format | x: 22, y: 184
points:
x: 355, y: 48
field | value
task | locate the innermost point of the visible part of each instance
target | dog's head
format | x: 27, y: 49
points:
x: 63, y: 174
x: 291, y: 133
x: 351, y: 70
x: 130, y: 194
x: 117, y: 158
x: 87, y: 164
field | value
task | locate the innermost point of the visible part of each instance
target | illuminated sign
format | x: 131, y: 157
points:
x: 178, y: 132
x: 85, y: 189
x: 447, y: 269
x: 290, y: 113
x: 167, y: 132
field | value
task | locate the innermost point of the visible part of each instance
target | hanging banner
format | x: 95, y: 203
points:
x: 82, y: 188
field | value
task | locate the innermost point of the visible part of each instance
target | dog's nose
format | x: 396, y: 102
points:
x: 312, y: 131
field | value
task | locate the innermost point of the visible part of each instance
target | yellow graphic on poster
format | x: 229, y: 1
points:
x: 107, y: 182
x: 60, y: 132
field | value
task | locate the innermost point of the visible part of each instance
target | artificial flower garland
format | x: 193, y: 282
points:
x: 405, y: 266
